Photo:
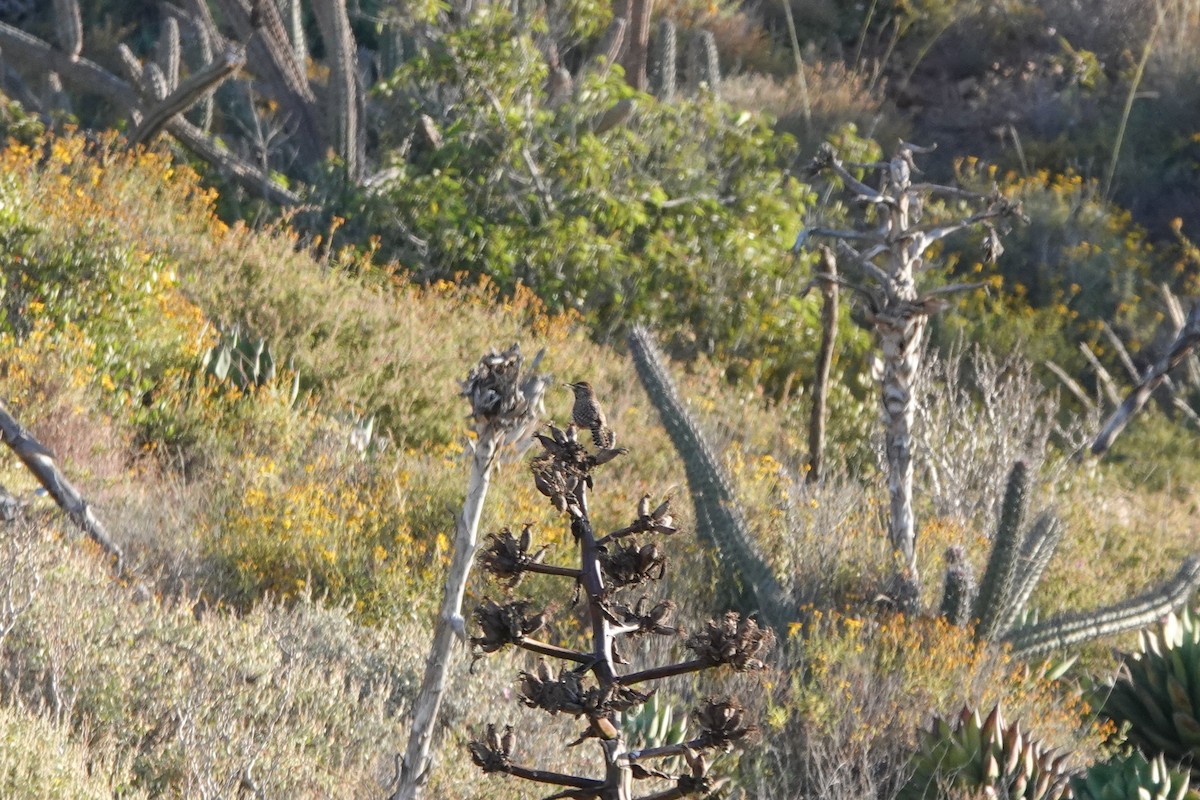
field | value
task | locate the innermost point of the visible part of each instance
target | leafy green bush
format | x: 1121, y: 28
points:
x: 680, y: 216
x: 1078, y: 263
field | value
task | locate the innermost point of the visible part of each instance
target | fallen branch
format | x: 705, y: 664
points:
x: 191, y: 90
x: 1183, y: 345
x: 40, y: 462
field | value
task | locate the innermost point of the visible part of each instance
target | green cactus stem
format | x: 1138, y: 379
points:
x: 1070, y: 629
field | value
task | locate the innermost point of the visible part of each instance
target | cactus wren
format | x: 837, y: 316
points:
x: 588, y: 414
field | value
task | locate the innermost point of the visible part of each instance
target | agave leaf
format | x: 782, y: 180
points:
x: 1177, y: 691
x: 1188, y: 729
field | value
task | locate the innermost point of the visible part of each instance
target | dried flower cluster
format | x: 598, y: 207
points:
x: 589, y: 686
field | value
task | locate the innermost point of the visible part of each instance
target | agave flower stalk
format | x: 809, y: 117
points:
x: 590, y: 685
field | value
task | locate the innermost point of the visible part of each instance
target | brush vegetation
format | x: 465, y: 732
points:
x: 262, y: 403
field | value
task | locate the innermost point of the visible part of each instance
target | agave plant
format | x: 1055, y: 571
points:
x: 1158, y: 691
x: 1131, y: 775
x: 990, y: 758
x: 653, y: 724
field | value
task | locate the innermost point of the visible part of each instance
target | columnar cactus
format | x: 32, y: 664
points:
x: 664, y: 65
x: 345, y: 99
x: 591, y: 685
x: 68, y: 21
x: 718, y: 512
x: 167, y: 52
x: 704, y: 61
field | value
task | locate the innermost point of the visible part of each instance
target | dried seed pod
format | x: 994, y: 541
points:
x: 502, y: 625
x: 722, y: 723
x: 735, y: 640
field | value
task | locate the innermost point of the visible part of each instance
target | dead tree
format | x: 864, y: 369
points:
x: 590, y: 686
x: 886, y: 256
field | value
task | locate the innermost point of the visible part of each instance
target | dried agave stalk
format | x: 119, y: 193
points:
x: 590, y: 686
x: 505, y: 405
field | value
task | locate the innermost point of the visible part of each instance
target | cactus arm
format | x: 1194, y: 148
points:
x: 664, y: 66
x: 1040, y: 544
x: 168, y: 52
x: 705, y: 63
x: 269, y: 57
x: 68, y: 22
x: 1071, y: 629
x: 639, y: 38
x: 995, y: 590
x: 334, y: 22
x: 711, y: 490
x: 197, y: 85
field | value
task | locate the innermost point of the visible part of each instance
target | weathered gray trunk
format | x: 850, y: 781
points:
x: 900, y: 340
x: 414, y: 773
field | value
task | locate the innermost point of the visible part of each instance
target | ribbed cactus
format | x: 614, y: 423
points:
x: 154, y: 80
x: 1159, y: 692
x: 958, y: 595
x: 1036, y: 551
x: 392, y: 48
x: 638, y: 41
x: 68, y: 24
x: 292, y: 12
x: 996, y: 588
x: 203, y: 115
x: 344, y: 119
x: 1131, y: 775
x: 664, y: 66
x: 167, y: 52
x: 986, y: 758
x: 1070, y: 629
x: 718, y: 514
x: 704, y: 63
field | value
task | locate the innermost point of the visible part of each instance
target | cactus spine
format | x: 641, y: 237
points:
x: 204, y: 113
x: 391, y: 48
x: 663, y: 66
x: 293, y: 22
x: 958, y: 595
x: 718, y: 514
x: 1036, y: 552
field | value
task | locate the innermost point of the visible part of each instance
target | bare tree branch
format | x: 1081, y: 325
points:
x: 40, y: 461
x: 1183, y: 345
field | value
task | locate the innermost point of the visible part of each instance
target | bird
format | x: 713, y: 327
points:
x: 588, y: 414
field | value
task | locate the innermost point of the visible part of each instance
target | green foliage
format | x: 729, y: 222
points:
x: 988, y: 757
x: 1159, y: 695
x: 679, y: 216
x: 1131, y: 775
x: 1078, y: 263
x: 653, y: 724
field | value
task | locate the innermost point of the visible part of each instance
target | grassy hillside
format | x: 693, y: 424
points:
x: 271, y: 635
